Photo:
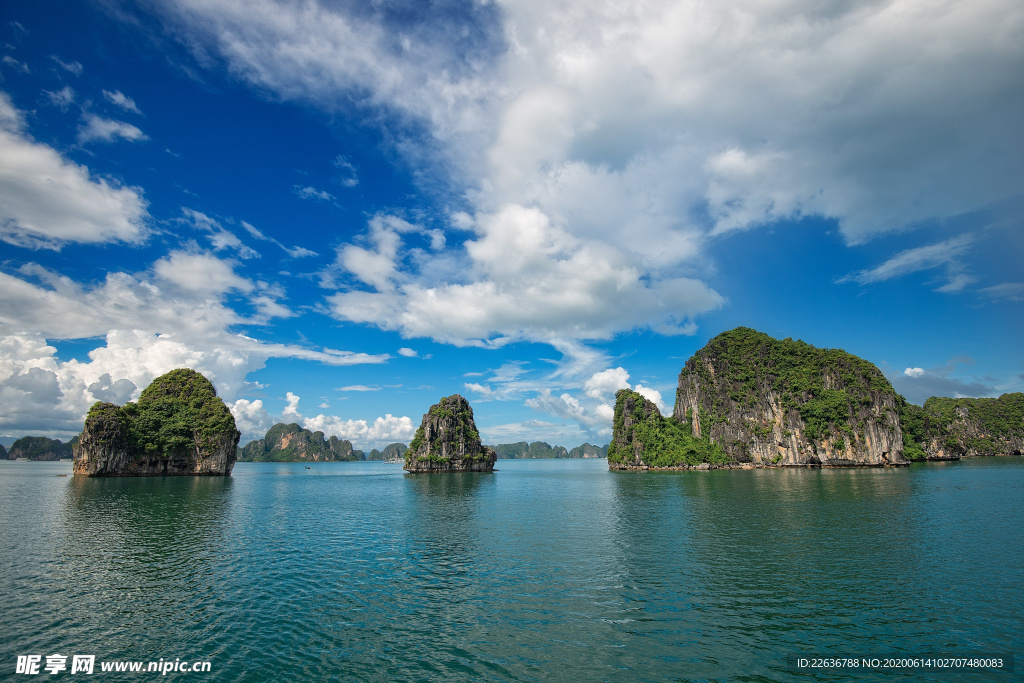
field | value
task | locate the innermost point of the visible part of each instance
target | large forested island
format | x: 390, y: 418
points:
x: 749, y: 400
x: 179, y: 426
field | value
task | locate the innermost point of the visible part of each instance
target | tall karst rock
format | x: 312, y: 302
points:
x: 766, y: 401
x: 447, y: 441
x: 178, y: 427
x: 746, y: 399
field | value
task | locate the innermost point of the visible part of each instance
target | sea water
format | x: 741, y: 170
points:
x: 544, y: 570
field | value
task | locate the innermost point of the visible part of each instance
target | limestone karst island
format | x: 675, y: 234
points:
x: 447, y: 441
x: 747, y: 400
x: 179, y: 426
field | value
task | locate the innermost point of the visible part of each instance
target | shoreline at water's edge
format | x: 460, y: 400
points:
x: 705, y: 466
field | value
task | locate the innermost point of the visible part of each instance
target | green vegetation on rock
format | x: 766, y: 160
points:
x: 179, y: 426
x: 794, y: 371
x: 964, y: 426
x: 638, y: 426
x: 176, y: 411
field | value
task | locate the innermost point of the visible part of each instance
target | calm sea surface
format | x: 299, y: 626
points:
x: 545, y: 570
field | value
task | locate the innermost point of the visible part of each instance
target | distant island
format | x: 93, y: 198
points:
x: 447, y: 440
x: 540, y: 450
x: 749, y: 400
x: 292, y: 443
x: 179, y: 426
x: 39, y: 448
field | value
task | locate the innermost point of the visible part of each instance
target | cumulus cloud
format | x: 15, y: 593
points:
x: 593, y: 413
x: 251, y: 419
x: 362, y: 434
x: 149, y: 323
x: 634, y: 132
x: 47, y: 201
x: 603, y: 384
x: 96, y: 128
x: 531, y: 280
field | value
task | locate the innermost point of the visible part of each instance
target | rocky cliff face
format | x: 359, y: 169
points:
x: 292, y: 443
x: 447, y: 441
x: 954, y: 428
x: 632, y: 411
x: 3, y: 452
x: 178, y: 427
x: 768, y: 402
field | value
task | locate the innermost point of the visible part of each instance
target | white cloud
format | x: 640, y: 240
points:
x: 292, y: 409
x: 107, y: 130
x: 947, y: 253
x: 362, y: 434
x: 251, y: 419
x: 294, y: 252
x: 1012, y: 291
x: 531, y: 280
x: 62, y: 98
x: 651, y: 395
x: 120, y: 99
x: 313, y: 193
x: 150, y: 324
x: 47, y: 201
x: 407, y: 352
x: 618, y: 137
x: 348, y: 176
x: 481, y: 389
x: 200, y: 273
x: 603, y: 384
x: 358, y: 387
x: 72, y: 67
x: 914, y: 372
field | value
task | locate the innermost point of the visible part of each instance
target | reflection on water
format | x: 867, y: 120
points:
x: 542, y: 571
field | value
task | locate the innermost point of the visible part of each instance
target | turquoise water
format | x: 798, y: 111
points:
x: 545, y: 570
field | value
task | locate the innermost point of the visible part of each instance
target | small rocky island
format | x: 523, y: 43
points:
x: 178, y: 427
x: 447, y: 441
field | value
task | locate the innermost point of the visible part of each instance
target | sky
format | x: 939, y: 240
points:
x: 342, y: 211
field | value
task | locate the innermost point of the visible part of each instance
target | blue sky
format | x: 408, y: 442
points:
x: 340, y: 211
